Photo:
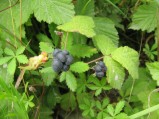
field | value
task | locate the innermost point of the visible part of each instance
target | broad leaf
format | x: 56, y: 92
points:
x: 81, y: 24
x: 20, y: 50
x: 145, y: 17
x: 71, y: 81
x: 12, y: 66
x: 80, y: 50
x: 154, y: 70
x: 128, y: 58
x: 85, y: 7
x: 22, y: 59
x: 68, y: 101
x: 115, y: 73
x: 104, y: 26
x: 105, y: 44
x: 79, y: 67
x: 55, y: 11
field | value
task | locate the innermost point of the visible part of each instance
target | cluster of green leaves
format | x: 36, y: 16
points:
x: 87, y: 29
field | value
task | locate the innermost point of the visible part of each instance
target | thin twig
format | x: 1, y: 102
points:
x: 149, y: 99
x: 132, y: 87
x: 20, y: 78
x: 20, y: 21
x: 66, y: 40
x: 9, y: 6
x: 95, y: 60
x: 142, y: 37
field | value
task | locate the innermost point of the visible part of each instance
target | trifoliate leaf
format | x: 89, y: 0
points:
x: 79, y: 67
x: 81, y: 24
x: 145, y: 18
x: 128, y: 58
x: 115, y: 73
x: 105, y: 44
x: 85, y: 7
x: 154, y: 70
x: 71, y: 81
x: 22, y: 59
x: 9, y: 51
x: 80, y: 50
x: 119, y: 107
x: 4, y: 60
x: 12, y: 66
x: 47, y: 47
x: 20, y: 50
x: 55, y: 11
x: 104, y: 26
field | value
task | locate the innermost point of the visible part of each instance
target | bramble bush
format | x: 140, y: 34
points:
x: 79, y: 59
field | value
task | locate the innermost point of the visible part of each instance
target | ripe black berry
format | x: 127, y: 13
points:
x: 100, y: 69
x: 62, y: 60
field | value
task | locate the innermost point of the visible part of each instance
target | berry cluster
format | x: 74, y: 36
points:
x: 62, y: 60
x: 100, y: 69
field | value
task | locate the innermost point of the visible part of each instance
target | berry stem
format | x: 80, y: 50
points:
x: 95, y: 60
x: 66, y: 40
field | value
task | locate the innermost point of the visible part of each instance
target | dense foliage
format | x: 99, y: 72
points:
x: 71, y: 59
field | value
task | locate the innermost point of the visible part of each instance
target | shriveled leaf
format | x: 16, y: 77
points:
x: 128, y: 58
x: 79, y: 67
x: 55, y: 11
x: 80, y: 50
x: 115, y: 73
x: 12, y: 66
x: 71, y: 81
x: 81, y: 24
x: 105, y: 44
x: 104, y: 26
x: 145, y: 18
x: 22, y: 59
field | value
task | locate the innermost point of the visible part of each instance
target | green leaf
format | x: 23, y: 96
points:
x: 79, y: 67
x: 84, y: 7
x: 115, y: 73
x: 104, y: 26
x: 63, y: 76
x: 145, y: 18
x: 71, y: 81
x: 122, y: 116
x: 48, y: 77
x: 119, y: 107
x: 46, y: 47
x: 154, y: 70
x: 55, y: 11
x: 105, y: 44
x: 46, y: 70
x: 4, y: 60
x: 81, y: 24
x: 22, y: 59
x: 80, y: 50
x: 128, y: 58
x: 68, y: 101
x: 9, y: 51
x: 12, y: 66
x: 110, y: 110
x: 20, y: 50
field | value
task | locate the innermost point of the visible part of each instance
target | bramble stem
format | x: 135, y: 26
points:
x: 95, y: 60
